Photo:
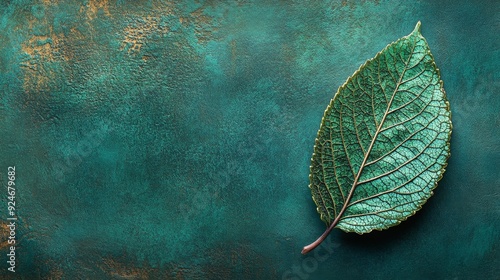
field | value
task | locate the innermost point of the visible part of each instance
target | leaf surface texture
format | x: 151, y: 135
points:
x: 384, y: 139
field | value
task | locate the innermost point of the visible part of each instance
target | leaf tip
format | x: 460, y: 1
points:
x: 417, y: 27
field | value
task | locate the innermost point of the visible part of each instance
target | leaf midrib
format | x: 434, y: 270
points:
x: 363, y: 164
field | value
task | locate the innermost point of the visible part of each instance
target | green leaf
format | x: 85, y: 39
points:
x: 383, y: 142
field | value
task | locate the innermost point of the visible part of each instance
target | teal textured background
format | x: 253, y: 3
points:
x: 157, y: 139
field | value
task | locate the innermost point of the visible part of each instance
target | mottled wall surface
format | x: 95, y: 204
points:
x: 157, y: 139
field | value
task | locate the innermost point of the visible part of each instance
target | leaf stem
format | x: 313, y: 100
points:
x: 318, y: 241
